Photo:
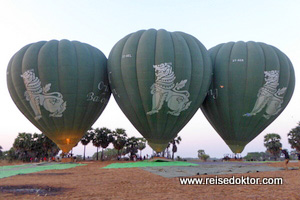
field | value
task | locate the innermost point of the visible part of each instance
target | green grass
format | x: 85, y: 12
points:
x: 148, y: 164
x: 4, y: 174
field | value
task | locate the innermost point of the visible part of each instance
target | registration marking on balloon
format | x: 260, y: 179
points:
x: 238, y: 60
x: 269, y: 96
x: 126, y: 56
x: 39, y: 96
x: 164, y: 90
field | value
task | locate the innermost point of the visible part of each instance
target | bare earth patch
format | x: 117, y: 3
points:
x: 92, y: 182
x: 5, y: 163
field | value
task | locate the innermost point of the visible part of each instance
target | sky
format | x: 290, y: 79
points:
x: 103, y: 23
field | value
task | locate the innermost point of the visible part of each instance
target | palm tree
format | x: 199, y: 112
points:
x: 48, y: 146
x: 175, y: 142
x: 36, y: 145
x: 272, y: 143
x: 96, y: 139
x: 86, y: 139
x: 107, y: 138
x: 103, y: 137
x: 294, y: 137
x: 202, y: 155
x: 119, y: 139
x: 23, y: 145
x: 11, y: 154
x: 0, y: 151
x: 141, y: 145
x: 132, y: 146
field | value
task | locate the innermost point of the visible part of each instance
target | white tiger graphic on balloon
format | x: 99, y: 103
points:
x: 38, y: 96
x: 164, y: 90
x: 269, y: 96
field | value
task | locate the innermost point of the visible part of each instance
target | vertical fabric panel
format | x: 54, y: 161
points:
x: 159, y: 79
x: 255, y: 82
x: 50, y: 83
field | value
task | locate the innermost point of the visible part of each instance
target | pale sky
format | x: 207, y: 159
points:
x: 103, y: 23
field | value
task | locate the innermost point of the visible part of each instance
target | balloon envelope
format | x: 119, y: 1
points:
x: 60, y: 86
x: 159, y: 79
x: 252, y: 84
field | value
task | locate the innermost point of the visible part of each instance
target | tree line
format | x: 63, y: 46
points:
x: 102, y: 137
x: 273, y: 147
x: 38, y: 146
x: 28, y: 147
x: 272, y: 142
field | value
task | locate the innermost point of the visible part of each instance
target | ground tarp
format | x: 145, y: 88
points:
x: 7, y: 171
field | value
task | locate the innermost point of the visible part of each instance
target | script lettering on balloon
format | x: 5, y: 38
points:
x: 92, y: 97
x: 39, y: 96
x: 164, y: 90
x: 269, y: 96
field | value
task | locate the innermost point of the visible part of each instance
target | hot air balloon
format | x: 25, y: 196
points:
x: 252, y: 84
x: 158, y: 79
x: 60, y: 86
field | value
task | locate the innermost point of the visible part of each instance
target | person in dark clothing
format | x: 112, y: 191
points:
x: 287, y: 158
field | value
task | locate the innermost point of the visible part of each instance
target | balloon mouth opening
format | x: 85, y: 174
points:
x: 66, y: 142
x: 237, y: 148
x: 66, y: 147
x: 158, y: 147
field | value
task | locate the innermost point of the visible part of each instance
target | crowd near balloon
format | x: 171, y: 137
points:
x: 159, y: 79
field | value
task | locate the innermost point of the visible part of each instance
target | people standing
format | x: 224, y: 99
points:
x: 287, y: 158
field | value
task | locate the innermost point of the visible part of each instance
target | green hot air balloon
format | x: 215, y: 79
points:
x: 252, y: 84
x: 60, y: 86
x: 158, y: 79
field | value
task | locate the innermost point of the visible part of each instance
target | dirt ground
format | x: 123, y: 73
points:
x: 4, y: 163
x: 92, y: 182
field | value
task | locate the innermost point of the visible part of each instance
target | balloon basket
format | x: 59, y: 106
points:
x: 67, y: 160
